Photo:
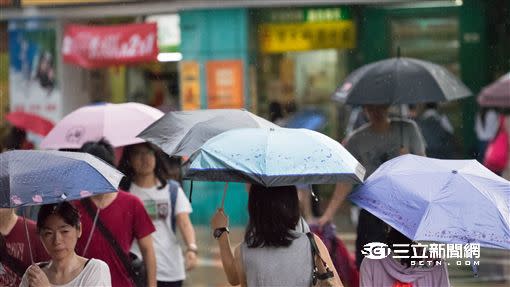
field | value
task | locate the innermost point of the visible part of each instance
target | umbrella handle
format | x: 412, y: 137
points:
x: 224, y: 195
x: 401, y: 124
x: 91, y: 232
x: 28, y: 236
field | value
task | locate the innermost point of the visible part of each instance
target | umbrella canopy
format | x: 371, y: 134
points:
x: 182, y: 133
x: 312, y: 119
x: 496, y: 94
x: 452, y: 201
x: 30, y: 122
x: 274, y: 157
x: 400, y: 81
x: 44, y: 177
x: 118, y: 123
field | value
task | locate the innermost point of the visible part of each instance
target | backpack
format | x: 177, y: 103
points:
x: 497, y: 152
x: 173, y: 188
x: 440, y: 143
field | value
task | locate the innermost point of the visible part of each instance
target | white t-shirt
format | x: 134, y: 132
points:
x: 95, y: 273
x: 169, y: 258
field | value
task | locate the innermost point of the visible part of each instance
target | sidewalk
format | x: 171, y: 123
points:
x: 210, y: 272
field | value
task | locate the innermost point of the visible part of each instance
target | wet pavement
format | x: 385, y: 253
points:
x: 494, y: 264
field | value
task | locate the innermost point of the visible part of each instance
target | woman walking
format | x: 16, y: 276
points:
x: 273, y: 253
x: 59, y: 229
x: 168, y: 207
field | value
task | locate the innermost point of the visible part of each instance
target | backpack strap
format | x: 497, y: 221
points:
x: 126, y: 262
x: 173, y: 188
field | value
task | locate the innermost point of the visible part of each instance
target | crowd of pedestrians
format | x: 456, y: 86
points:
x: 131, y: 237
x: 125, y: 238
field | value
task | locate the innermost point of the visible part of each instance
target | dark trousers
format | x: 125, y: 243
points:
x: 370, y: 229
x: 169, y: 284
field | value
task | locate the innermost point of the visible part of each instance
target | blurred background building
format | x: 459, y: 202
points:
x: 247, y: 54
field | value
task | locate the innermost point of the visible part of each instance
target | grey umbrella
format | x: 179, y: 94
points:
x: 182, y: 133
x: 400, y: 81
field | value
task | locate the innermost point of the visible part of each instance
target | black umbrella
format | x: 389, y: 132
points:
x: 400, y: 81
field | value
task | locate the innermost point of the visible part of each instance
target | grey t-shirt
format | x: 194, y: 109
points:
x: 279, y: 266
x: 372, y: 149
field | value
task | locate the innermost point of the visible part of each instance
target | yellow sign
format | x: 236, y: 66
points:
x: 277, y: 38
x: 190, y: 85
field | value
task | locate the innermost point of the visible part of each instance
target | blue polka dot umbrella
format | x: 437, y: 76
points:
x: 30, y: 177
x: 274, y: 157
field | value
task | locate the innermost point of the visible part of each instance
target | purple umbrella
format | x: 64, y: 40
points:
x: 451, y: 201
x: 496, y: 94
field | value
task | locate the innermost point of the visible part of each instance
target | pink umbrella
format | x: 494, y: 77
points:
x: 118, y: 123
x: 496, y: 94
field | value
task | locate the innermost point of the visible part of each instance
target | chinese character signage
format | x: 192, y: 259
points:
x: 463, y: 254
x: 63, y: 2
x: 33, y: 85
x: 285, y: 30
x: 102, y: 46
x: 190, y: 85
x: 323, y: 14
x: 225, y: 84
x: 277, y: 38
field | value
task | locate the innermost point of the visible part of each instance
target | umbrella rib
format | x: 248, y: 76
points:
x: 499, y: 211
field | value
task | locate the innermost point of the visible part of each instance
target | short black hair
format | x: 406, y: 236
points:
x: 64, y: 209
x: 274, y: 213
x: 14, y: 138
x: 396, y: 237
x: 101, y: 149
x: 431, y: 106
x: 160, y: 170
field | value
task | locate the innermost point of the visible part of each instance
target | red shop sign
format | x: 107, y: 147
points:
x: 101, y: 46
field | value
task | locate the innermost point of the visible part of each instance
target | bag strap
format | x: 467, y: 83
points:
x: 173, y: 188
x: 316, y: 254
x: 87, y: 203
x: 14, y: 264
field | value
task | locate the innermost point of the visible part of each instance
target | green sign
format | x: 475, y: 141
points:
x: 307, y: 15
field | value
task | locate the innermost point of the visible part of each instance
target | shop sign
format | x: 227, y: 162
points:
x: 63, y: 2
x: 225, y: 84
x: 328, y: 14
x: 190, y: 85
x: 277, y: 38
x: 101, y: 46
x: 33, y: 83
x: 169, y: 32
